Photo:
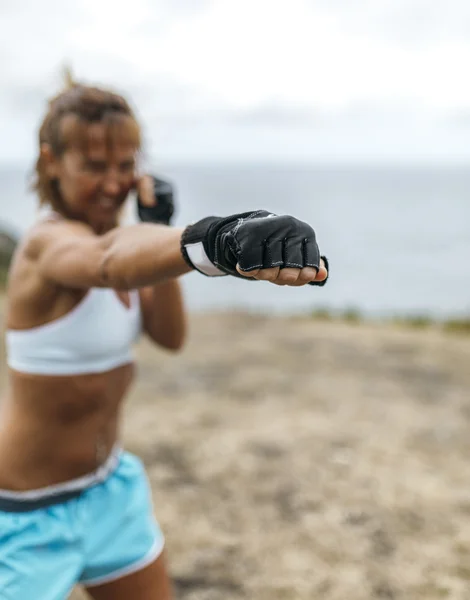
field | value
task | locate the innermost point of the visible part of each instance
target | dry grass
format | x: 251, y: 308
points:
x: 300, y: 460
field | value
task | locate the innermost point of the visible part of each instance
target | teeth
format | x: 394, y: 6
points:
x: 106, y: 203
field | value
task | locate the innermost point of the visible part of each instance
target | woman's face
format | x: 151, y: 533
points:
x: 95, y: 178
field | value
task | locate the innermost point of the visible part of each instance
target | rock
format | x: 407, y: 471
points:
x: 8, y: 243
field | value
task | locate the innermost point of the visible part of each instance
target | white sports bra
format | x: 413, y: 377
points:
x: 95, y: 336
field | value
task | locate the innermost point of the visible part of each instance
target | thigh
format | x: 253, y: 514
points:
x: 150, y: 583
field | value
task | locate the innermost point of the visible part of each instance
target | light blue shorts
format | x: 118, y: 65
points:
x: 91, y: 530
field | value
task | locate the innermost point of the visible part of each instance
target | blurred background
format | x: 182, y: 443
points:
x: 353, y: 116
x: 291, y: 458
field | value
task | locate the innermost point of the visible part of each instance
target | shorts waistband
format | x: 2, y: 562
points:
x: 19, y: 506
x: 61, y: 492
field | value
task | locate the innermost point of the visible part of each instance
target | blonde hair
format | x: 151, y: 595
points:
x: 86, y: 105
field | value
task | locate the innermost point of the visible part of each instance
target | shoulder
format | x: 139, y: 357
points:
x: 44, y: 243
x: 57, y: 232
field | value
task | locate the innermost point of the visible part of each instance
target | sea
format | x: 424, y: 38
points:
x: 397, y: 237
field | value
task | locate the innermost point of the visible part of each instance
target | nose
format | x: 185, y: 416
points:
x: 111, y: 185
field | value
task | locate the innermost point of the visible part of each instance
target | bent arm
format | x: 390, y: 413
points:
x: 164, y: 315
x: 71, y: 255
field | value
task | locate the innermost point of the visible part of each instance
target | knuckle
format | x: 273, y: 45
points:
x: 262, y: 274
x: 289, y: 275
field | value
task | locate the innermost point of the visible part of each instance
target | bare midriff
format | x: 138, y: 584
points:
x: 57, y: 428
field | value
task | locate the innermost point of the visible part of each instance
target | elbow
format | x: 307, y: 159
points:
x: 174, y: 345
x: 175, y: 337
x: 173, y: 341
x: 174, y: 348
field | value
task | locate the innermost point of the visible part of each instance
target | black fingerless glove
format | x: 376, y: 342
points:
x: 254, y: 240
x: 164, y: 208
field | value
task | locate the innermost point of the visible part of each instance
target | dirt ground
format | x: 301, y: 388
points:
x: 294, y: 459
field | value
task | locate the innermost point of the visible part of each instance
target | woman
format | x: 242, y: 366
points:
x: 74, y: 507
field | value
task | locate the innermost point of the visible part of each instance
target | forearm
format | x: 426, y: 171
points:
x: 142, y: 255
x: 164, y: 314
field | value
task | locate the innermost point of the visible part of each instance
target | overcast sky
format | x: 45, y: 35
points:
x: 251, y: 79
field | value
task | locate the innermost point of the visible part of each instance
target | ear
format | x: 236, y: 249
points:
x: 50, y: 161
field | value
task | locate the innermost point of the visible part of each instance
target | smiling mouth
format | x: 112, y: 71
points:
x: 107, y: 204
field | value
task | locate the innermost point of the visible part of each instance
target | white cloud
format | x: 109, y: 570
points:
x: 199, y: 67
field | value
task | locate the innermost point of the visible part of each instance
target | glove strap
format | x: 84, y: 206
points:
x: 193, y: 251
x: 327, y: 267
x: 196, y: 257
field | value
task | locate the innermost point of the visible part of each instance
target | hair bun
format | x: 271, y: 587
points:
x: 69, y: 80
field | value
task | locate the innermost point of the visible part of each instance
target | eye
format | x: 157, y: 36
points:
x: 127, y: 166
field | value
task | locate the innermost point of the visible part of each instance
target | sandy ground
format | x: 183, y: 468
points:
x: 293, y: 459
